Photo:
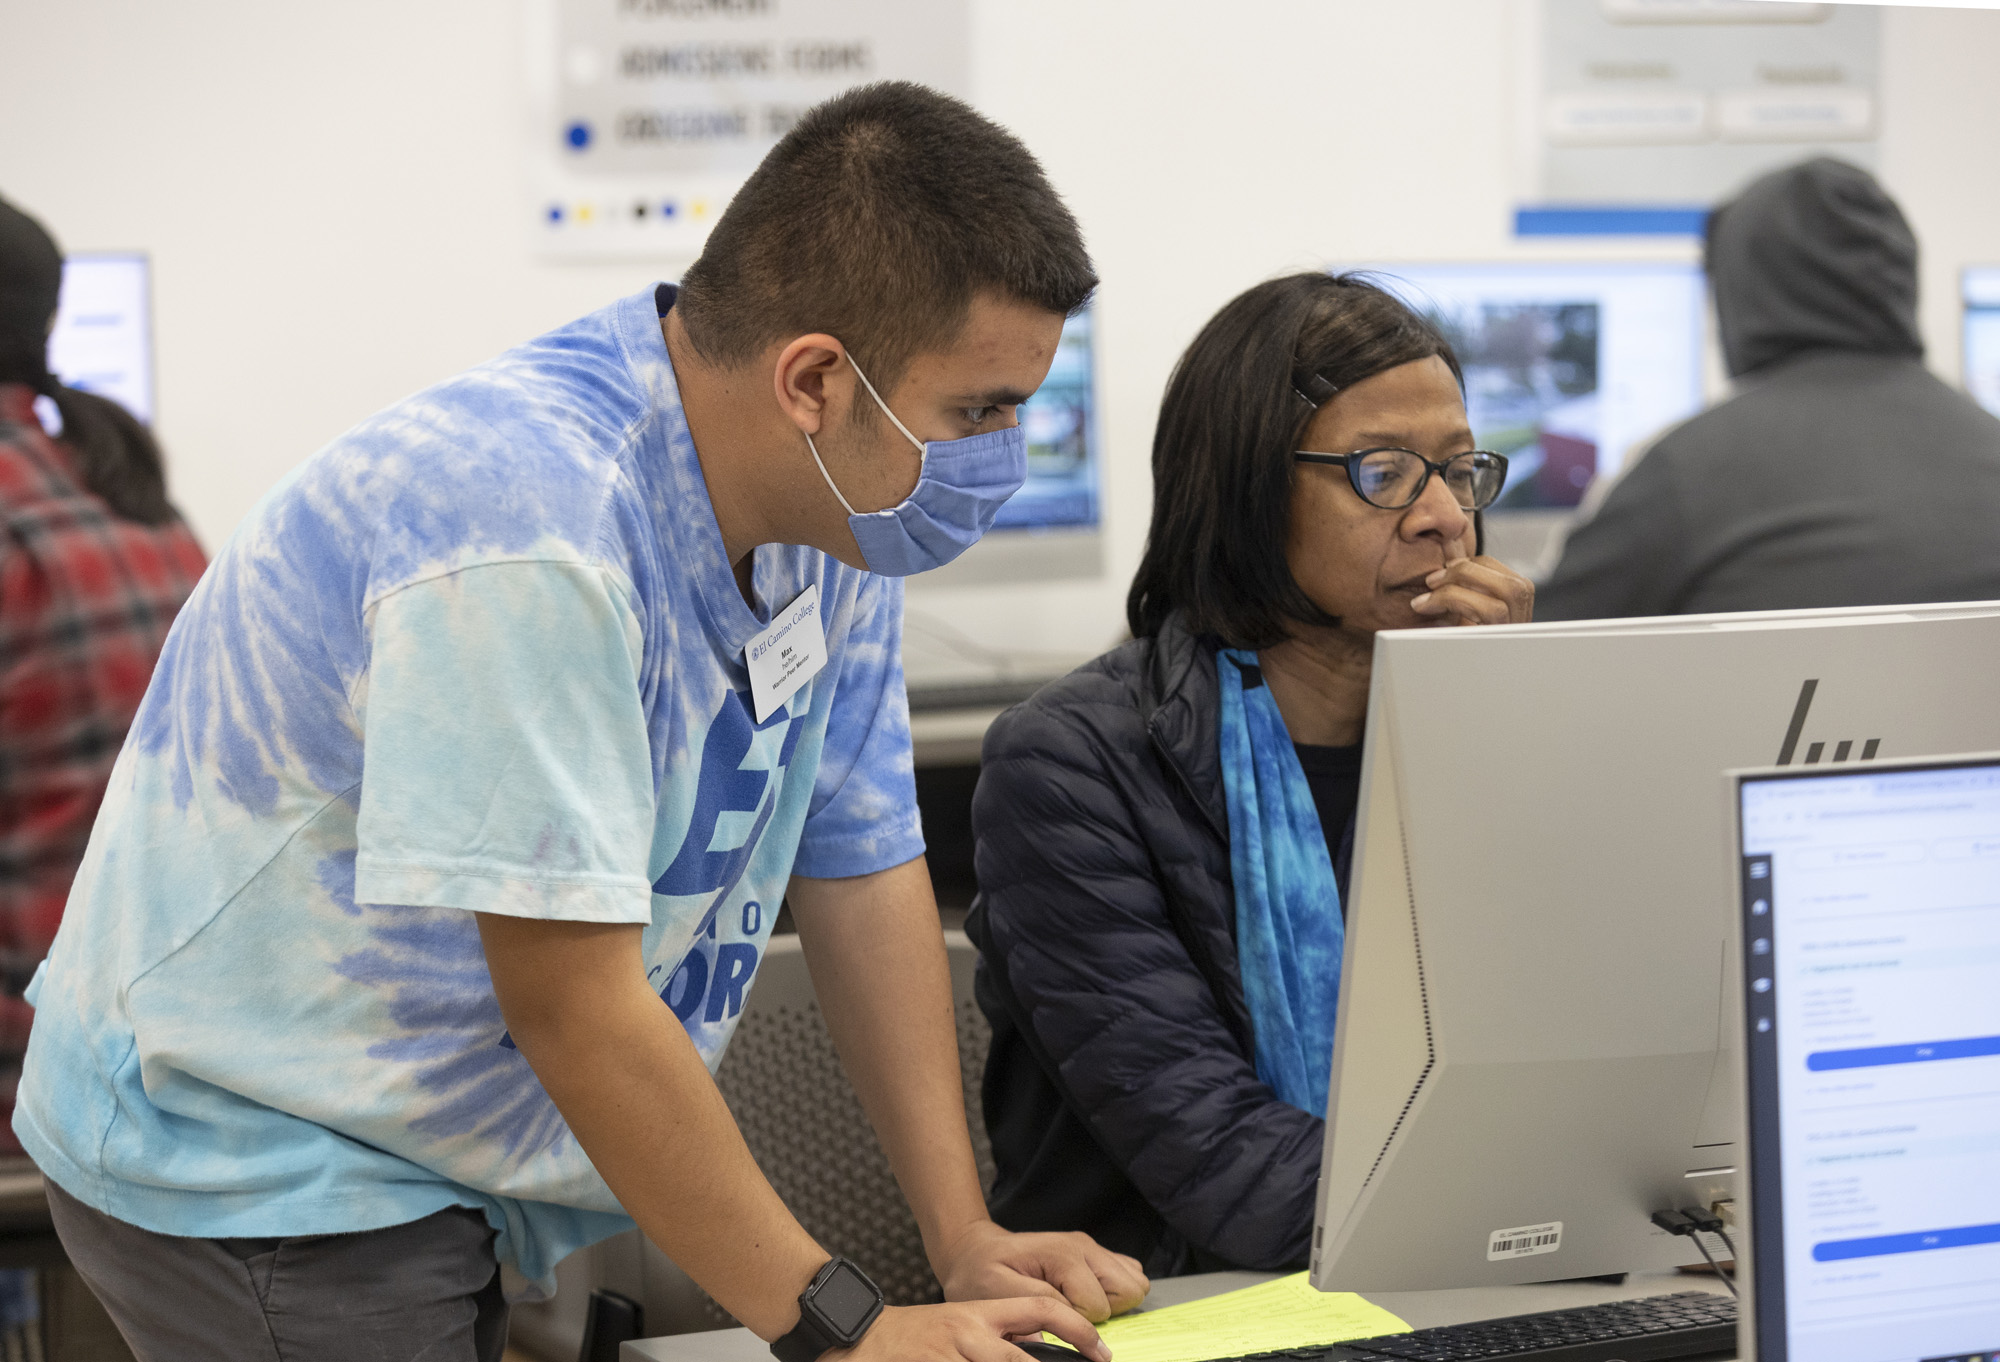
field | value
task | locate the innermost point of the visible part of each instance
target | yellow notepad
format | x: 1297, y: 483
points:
x: 1286, y: 1313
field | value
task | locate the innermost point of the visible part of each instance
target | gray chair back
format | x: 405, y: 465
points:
x: 805, y: 1127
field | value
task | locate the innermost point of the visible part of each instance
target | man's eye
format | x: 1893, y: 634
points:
x: 976, y: 415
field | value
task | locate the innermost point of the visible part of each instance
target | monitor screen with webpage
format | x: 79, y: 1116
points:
x: 1870, y: 909
x: 103, y: 338
x: 1567, y: 365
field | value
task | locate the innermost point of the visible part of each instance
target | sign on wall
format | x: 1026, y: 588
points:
x: 648, y: 114
x: 1648, y: 112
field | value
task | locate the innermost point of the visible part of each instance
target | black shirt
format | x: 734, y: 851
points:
x: 1334, y: 774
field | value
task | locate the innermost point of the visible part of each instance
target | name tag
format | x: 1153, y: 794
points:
x: 787, y: 655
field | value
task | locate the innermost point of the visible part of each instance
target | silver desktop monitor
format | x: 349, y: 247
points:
x: 1870, y: 918
x: 1529, y: 1056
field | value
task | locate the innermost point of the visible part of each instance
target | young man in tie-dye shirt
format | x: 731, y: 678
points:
x: 448, y: 838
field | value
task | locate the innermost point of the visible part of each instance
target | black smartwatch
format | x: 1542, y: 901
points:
x: 835, y: 1310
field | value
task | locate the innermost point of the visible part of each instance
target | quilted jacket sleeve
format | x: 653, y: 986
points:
x: 1087, y: 853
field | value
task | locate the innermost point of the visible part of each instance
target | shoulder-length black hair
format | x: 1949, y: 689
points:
x: 1222, y: 453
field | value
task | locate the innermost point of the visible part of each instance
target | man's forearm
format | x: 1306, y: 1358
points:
x: 638, y: 1098
x: 878, y: 964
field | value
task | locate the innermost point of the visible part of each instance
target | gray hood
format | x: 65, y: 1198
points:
x: 1813, y: 257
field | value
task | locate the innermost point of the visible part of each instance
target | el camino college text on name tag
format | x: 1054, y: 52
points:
x: 787, y: 655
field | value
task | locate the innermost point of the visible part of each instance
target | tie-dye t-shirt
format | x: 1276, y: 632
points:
x: 484, y: 652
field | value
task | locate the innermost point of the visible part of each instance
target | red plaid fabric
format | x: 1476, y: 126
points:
x: 85, y: 603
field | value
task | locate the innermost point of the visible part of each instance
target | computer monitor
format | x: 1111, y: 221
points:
x: 1869, y: 904
x: 1528, y: 1058
x: 1049, y: 528
x: 103, y: 338
x: 1567, y: 365
x: 1059, y: 421
x: 1982, y: 335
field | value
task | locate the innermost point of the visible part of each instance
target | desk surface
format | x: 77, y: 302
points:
x: 949, y: 737
x: 1422, y: 1309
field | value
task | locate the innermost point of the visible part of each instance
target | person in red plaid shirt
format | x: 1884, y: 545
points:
x: 94, y: 564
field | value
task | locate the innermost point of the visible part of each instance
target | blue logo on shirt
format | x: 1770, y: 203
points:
x: 726, y: 788
x: 711, y: 978
x: 708, y: 984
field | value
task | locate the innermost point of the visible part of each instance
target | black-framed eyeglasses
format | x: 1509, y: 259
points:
x: 1394, y: 478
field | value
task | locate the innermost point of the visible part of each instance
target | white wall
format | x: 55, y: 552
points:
x: 1942, y: 114
x: 331, y: 194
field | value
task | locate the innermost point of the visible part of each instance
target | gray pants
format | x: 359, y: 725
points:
x: 428, y: 1291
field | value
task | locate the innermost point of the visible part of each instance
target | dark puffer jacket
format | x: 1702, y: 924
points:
x: 1122, y: 1094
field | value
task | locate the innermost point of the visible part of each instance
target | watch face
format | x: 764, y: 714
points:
x: 845, y: 1299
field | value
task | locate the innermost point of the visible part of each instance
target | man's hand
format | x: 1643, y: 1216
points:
x: 971, y: 1331
x: 1471, y: 590
x: 878, y: 966
x: 986, y: 1262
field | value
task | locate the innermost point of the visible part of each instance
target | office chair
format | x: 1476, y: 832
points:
x: 805, y: 1127
x: 804, y: 1123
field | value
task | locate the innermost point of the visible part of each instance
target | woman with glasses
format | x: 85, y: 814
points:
x: 1163, y: 836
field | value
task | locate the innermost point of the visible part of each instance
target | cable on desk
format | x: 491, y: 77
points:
x: 1691, y: 1225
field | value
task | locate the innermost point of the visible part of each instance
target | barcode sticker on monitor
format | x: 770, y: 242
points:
x: 1524, y: 1241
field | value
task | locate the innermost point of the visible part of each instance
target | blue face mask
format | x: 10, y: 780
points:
x: 959, y: 490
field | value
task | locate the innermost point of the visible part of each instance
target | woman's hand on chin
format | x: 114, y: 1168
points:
x: 1468, y: 590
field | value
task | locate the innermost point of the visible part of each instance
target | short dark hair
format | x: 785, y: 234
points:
x: 876, y: 219
x: 1222, y: 452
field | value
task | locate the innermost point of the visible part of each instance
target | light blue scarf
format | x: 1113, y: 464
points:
x: 1289, y: 932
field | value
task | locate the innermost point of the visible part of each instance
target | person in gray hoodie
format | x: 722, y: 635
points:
x: 1842, y: 473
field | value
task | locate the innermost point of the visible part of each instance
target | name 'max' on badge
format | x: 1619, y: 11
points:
x: 787, y: 655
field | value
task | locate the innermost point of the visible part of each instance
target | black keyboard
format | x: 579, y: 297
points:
x: 1687, y: 1324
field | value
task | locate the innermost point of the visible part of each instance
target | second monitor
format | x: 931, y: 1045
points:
x: 1567, y: 365
x: 1048, y: 529
x: 1981, y: 355
x: 103, y: 337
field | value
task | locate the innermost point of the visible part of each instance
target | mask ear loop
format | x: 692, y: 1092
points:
x: 828, y: 476
x: 922, y: 449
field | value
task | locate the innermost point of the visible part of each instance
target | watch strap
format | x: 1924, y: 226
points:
x: 804, y: 1343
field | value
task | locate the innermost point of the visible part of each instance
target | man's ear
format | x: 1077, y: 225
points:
x: 813, y: 381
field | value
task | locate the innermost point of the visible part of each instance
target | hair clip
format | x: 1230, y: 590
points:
x: 1313, y: 383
